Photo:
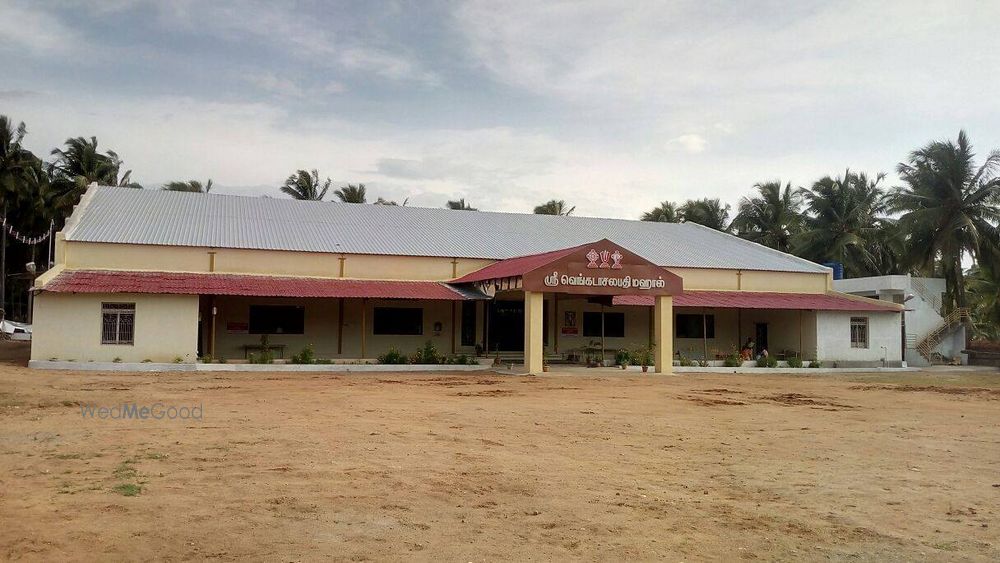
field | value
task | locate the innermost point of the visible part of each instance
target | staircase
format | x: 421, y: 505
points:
x: 926, y: 346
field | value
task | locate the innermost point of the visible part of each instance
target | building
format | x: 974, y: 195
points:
x: 145, y: 275
x: 930, y: 334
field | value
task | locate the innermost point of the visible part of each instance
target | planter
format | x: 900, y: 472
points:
x: 545, y: 369
x: 645, y: 369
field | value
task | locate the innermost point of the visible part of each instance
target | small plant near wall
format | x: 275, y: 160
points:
x: 623, y: 358
x: 116, y: 360
x: 732, y: 360
x: 684, y: 360
x: 306, y: 356
x: 266, y: 356
x: 815, y: 364
x: 206, y: 359
x: 643, y: 356
x: 795, y: 362
x: 178, y: 360
x: 393, y: 356
x: 428, y: 354
x: 147, y: 361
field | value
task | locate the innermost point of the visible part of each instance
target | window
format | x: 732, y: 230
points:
x: 398, y: 321
x: 692, y: 326
x: 859, y: 332
x: 277, y: 319
x: 614, y: 325
x: 468, y: 323
x: 118, y: 323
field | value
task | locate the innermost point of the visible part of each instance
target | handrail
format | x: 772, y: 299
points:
x: 926, y: 346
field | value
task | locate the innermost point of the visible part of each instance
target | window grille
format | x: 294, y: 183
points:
x: 118, y: 323
x: 859, y: 332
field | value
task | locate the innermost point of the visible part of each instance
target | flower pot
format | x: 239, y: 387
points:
x: 545, y: 369
x: 645, y: 369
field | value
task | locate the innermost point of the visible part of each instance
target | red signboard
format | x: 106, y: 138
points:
x: 603, y: 268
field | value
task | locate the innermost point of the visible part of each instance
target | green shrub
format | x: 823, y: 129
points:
x: 762, y: 362
x: 623, y: 357
x: 178, y: 360
x: 732, y: 361
x: 427, y: 355
x: 206, y: 359
x: 815, y: 364
x: 685, y: 361
x: 116, y: 360
x: 306, y: 356
x: 795, y: 362
x: 772, y: 362
x: 642, y: 356
x: 393, y: 356
x: 324, y: 361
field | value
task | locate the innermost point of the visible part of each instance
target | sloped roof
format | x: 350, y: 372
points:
x: 513, y: 267
x: 109, y: 281
x: 157, y: 217
x: 830, y: 301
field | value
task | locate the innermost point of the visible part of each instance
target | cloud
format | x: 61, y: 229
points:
x: 34, y: 30
x: 690, y: 143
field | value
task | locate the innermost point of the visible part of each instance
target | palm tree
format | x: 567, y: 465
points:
x: 383, y: 201
x: 460, y: 205
x: 772, y: 217
x: 189, y: 186
x: 984, y: 297
x: 82, y: 162
x: 949, y: 208
x: 708, y: 212
x: 666, y: 212
x: 554, y: 207
x: 843, y: 222
x: 352, y: 194
x: 306, y: 186
x: 12, y: 157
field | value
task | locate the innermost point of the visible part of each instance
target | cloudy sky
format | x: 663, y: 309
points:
x: 612, y: 106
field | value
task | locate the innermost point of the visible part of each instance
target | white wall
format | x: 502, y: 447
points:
x: 833, y: 337
x: 68, y: 327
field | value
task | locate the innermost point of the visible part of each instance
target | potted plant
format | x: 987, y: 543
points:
x: 644, y: 357
x: 623, y: 358
x: 545, y: 368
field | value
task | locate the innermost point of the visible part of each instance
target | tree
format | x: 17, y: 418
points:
x: 306, y: 186
x: 844, y: 219
x: 984, y: 298
x: 460, y: 205
x: 772, y: 217
x: 189, y: 186
x: 352, y: 194
x: 85, y: 165
x: 554, y: 207
x: 666, y: 212
x: 12, y: 157
x: 708, y: 212
x: 949, y: 208
x: 383, y: 201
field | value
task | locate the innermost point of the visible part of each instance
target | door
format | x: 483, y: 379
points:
x: 760, y: 338
x: 507, y: 326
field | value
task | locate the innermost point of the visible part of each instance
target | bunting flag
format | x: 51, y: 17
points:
x: 25, y: 239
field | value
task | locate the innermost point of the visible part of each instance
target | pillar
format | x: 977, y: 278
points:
x: 663, y: 318
x: 534, y: 347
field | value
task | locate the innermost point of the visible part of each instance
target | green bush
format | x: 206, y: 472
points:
x: 393, y: 356
x: 306, y: 356
x: 685, y: 361
x: 762, y: 362
x: 428, y: 354
x: 772, y: 362
x: 815, y: 364
x: 732, y: 361
x: 623, y: 357
x: 795, y: 362
x: 266, y: 356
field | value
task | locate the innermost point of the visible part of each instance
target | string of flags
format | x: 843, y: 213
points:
x: 24, y: 239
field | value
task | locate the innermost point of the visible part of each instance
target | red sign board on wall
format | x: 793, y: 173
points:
x: 603, y: 268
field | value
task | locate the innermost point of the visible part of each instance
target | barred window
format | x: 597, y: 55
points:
x: 859, y: 332
x: 117, y: 323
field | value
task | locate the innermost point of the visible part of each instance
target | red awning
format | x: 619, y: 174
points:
x: 766, y: 300
x: 101, y: 281
x: 514, y: 267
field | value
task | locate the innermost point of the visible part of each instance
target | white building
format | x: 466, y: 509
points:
x: 930, y: 336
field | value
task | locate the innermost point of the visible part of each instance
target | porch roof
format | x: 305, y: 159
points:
x: 830, y: 301
x: 116, y: 281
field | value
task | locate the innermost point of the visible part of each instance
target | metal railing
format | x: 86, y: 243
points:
x: 926, y: 346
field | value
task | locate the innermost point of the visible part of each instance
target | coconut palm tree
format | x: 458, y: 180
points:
x: 352, y: 194
x: 666, y: 212
x: 383, y: 201
x: 13, y: 157
x: 844, y: 217
x: 189, y: 186
x: 984, y: 298
x: 949, y: 209
x: 708, y: 212
x: 772, y: 217
x: 554, y: 207
x: 85, y: 164
x: 306, y: 185
x: 460, y: 205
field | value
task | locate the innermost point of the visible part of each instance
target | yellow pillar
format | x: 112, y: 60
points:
x: 533, y: 342
x: 663, y: 316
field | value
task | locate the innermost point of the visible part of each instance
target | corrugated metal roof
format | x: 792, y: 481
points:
x: 158, y: 217
x: 108, y: 281
x: 513, y: 267
x: 830, y: 301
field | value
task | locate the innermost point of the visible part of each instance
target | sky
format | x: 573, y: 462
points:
x: 610, y: 106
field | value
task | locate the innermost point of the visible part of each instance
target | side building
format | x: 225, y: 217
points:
x: 145, y: 275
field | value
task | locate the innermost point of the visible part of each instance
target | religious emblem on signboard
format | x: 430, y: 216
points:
x: 605, y: 256
x: 592, y: 258
x: 616, y: 260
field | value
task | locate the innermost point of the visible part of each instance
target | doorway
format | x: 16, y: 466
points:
x: 506, y: 320
x: 760, y: 338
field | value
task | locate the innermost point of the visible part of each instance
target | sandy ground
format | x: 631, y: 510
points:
x: 478, y: 467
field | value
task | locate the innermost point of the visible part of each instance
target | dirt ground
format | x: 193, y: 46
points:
x: 481, y: 467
